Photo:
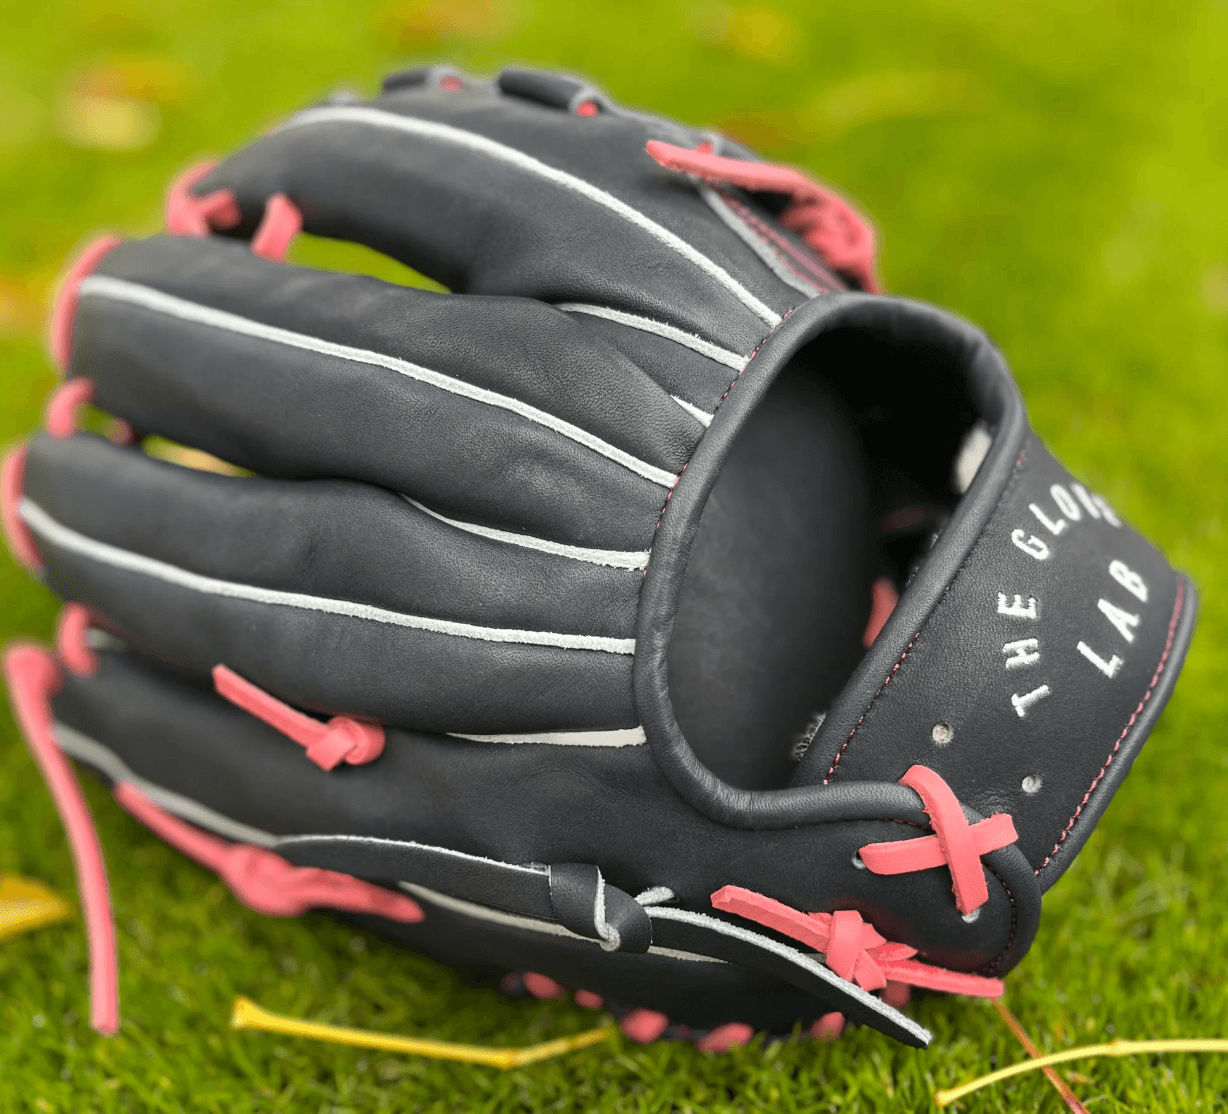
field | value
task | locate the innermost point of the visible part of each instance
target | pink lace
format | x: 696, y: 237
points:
x: 70, y: 644
x: 955, y: 843
x: 16, y: 532
x: 60, y: 416
x: 33, y: 678
x: 67, y: 295
x: 883, y: 598
x: 281, y: 222
x: 823, y: 219
x: 189, y: 215
x: 328, y: 744
x: 851, y: 948
x: 261, y: 879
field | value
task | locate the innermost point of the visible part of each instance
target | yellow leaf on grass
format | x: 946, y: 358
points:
x: 26, y: 904
x: 108, y: 123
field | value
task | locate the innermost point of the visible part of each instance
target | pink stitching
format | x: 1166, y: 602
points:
x: 1168, y: 645
x: 881, y: 689
x: 1010, y: 940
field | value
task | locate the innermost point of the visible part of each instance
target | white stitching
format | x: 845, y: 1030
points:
x: 615, y: 558
x: 65, y: 538
x: 701, y: 416
x: 431, y: 130
x: 93, y: 753
x: 764, y: 251
x: 624, y: 737
x: 155, y: 300
x: 660, y: 328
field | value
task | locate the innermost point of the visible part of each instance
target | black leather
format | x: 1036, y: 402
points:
x: 642, y: 435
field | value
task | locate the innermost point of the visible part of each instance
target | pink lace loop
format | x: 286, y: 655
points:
x: 60, y: 416
x: 189, y: 215
x: 68, y: 294
x: 281, y: 222
x: 261, y: 879
x: 12, y: 491
x: 955, y: 843
x: 327, y: 744
x: 70, y: 644
x: 883, y: 598
x: 33, y: 678
x: 823, y: 219
x: 851, y: 948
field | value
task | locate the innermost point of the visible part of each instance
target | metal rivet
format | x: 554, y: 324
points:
x: 968, y: 918
x: 942, y: 734
x: 857, y: 861
x: 1031, y: 784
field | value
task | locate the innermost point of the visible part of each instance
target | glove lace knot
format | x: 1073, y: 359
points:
x: 955, y: 843
x: 824, y: 220
x: 850, y: 947
x: 327, y: 744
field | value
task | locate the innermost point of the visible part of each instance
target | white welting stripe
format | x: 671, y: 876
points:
x: 747, y: 235
x: 429, y: 129
x: 66, y: 538
x: 625, y: 737
x: 120, y: 290
x: 376, y: 843
x: 801, y: 959
x: 617, y: 558
x: 515, y: 920
x: 715, y: 352
x: 701, y: 416
x: 92, y: 753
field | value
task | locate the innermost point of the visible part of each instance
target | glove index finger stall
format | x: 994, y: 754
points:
x: 672, y: 618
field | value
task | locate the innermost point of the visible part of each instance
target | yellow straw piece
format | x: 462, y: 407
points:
x: 1114, y: 1048
x: 27, y: 904
x: 247, y: 1015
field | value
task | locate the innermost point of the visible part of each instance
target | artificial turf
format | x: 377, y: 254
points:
x: 1054, y: 171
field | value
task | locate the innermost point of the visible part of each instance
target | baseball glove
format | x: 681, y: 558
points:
x: 663, y: 611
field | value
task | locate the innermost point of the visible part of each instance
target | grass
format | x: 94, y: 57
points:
x: 1055, y: 171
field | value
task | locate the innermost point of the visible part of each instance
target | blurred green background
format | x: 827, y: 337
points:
x: 1057, y: 172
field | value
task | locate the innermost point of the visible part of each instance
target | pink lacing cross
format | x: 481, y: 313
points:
x: 851, y: 948
x: 190, y: 215
x: 823, y: 219
x: 955, y: 843
x: 341, y: 739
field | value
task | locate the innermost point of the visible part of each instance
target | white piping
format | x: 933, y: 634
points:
x: 376, y: 841
x: 626, y: 737
x: 648, y: 325
x: 65, y: 538
x: 661, y: 912
x: 701, y: 416
x: 513, y: 920
x: 93, y: 753
x: 616, y: 558
x: 120, y: 290
x: 773, y: 262
x: 429, y: 129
